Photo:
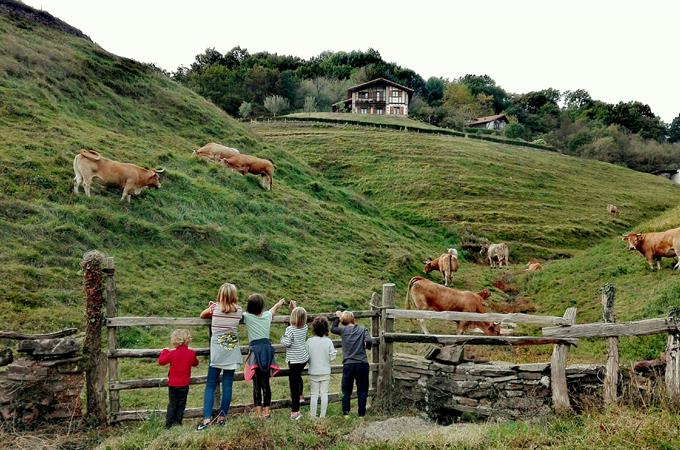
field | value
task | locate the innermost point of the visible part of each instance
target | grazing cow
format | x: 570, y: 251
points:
x: 215, y: 152
x: 89, y: 164
x: 447, y: 264
x: 655, y: 246
x: 427, y: 295
x: 497, y: 254
x: 534, y: 266
x: 613, y: 210
x: 250, y: 164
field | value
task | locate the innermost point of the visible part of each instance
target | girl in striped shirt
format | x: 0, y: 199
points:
x: 294, y: 339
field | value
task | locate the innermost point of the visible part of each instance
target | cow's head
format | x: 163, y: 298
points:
x: 154, y: 178
x: 485, y: 293
x: 484, y: 249
x: 428, y: 266
x: 490, y: 328
x: 634, y: 240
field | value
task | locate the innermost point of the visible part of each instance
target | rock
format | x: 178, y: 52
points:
x: 530, y: 375
x: 538, y: 367
x: 49, y: 348
x: 545, y: 381
x: 6, y: 356
x: 452, y: 354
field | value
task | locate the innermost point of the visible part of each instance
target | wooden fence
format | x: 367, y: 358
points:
x: 561, y: 332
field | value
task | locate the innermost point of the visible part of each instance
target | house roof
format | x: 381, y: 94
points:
x: 379, y: 80
x: 487, y: 119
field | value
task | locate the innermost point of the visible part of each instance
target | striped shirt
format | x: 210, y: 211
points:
x: 295, y: 341
x: 224, y: 322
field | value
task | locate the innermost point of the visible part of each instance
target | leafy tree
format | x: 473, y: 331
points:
x: 275, y: 104
x: 578, y: 99
x: 484, y: 84
x: 310, y: 104
x: 206, y: 59
x: 434, y: 88
x: 245, y: 110
x: 514, y: 131
x: 674, y: 130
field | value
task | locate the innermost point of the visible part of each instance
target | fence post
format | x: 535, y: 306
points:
x: 612, y: 374
x: 558, y: 370
x: 109, y: 269
x: 385, y: 364
x: 94, y: 362
x: 375, y: 335
x: 673, y: 366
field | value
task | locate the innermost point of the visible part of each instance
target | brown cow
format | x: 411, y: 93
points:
x: 250, y: 164
x: 89, y: 164
x: 613, y: 210
x: 215, y: 152
x: 534, y: 266
x: 447, y: 264
x: 655, y: 246
x: 427, y: 295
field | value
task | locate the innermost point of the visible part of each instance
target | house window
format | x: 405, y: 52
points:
x: 363, y: 94
x: 380, y: 111
x: 378, y: 94
x: 364, y: 111
x: 396, y: 94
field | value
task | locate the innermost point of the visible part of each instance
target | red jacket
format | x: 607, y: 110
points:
x: 181, y: 361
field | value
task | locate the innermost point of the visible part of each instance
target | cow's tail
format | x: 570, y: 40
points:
x: 76, y: 168
x: 90, y: 154
x: 407, y: 303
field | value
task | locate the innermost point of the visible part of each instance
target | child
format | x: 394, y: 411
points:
x: 261, y: 353
x: 181, y: 360
x: 225, y: 353
x: 296, y: 355
x: 321, y: 353
x: 355, y: 339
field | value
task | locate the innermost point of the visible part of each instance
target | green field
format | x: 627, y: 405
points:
x: 351, y: 208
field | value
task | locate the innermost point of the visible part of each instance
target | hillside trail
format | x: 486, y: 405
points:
x: 413, y: 428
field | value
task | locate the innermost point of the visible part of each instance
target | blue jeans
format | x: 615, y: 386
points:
x: 211, y: 386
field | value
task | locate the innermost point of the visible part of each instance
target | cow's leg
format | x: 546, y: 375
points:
x: 422, y: 326
x: 76, y: 183
x: 462, y: 325
x: 86, y: 186
x: 658, y: 264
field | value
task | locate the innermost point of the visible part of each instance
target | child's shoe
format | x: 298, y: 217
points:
x: 296, y: 416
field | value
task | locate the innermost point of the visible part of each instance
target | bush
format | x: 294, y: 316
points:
x: 514, y: 131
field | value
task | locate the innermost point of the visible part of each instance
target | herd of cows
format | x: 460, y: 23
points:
x: 422, y: 293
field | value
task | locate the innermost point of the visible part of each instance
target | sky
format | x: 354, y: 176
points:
x: 616, y: 50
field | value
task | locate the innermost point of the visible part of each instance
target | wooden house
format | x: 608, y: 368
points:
x: 496, y: 122
x: 379, y: 96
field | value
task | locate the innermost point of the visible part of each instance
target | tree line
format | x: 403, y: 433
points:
x: 267, y: 84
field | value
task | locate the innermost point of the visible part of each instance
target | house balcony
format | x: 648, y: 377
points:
x: 370, y: 102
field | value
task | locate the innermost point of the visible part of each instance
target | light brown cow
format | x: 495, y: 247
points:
x: 215, y: 152
x: 89, y: 165
x: 427, y: 295
x: 534, y: 266
x: 655, y: 246
x: 613, y: 210
x: 251, y: 164
x: 447, y: 264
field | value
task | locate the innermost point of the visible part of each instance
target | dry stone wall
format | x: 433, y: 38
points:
x: 495, y: 389
x: 44, y: 385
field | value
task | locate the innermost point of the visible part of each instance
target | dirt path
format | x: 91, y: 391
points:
x: 411, y: 429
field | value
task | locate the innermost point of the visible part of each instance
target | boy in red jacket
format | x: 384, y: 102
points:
x: 181, y: 360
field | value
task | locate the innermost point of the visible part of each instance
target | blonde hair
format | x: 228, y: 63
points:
x: 227, y: 298
x: 347, y: 318
x: 180, y: 337
x: 298, y: 317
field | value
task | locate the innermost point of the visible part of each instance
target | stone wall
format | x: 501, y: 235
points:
x: 494, y: 389
x: 44, y: 385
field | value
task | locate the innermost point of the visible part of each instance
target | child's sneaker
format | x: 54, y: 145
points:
x: 296, y: 416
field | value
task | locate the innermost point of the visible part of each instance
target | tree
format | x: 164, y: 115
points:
x: 484, y: 84
x: 245, y: 110
x: 434, y: 88
x: 674, y: 130
x: 275, y: 104
x: 310, y: 104
x: 514, y: 131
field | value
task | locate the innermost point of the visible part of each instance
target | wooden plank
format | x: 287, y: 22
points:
x: 464, y: 339
x: 375, y: 334
x: 384, y: 387
x: 238, y: 376
x: 474, y: 317
x: 672, y: 375
x: 23, y: 336
x: 235, y: 409
x: 594, y: 330
x: 109, y: 269
x: 611, y: 378
x: 558, y: 371
x: 135, y: 321
x: 155, y: 352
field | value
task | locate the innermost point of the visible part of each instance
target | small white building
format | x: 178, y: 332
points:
x: 496, y: 122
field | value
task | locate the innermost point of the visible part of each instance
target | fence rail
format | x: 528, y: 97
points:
x: 463, y: 339
x: 475, y: 317
x: 595, y: 330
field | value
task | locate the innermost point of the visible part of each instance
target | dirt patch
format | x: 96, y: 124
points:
x: 417, y: 430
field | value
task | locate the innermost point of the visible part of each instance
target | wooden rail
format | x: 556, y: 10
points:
x: 462, y: 339
x: 198, y: 412
x: 475, y: 317
x: 238, y: 376
x: 137, y: 321
x: 22, y: 336
x: 601, y: 330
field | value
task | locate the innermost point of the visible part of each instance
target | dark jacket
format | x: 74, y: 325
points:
x: 354, y: 340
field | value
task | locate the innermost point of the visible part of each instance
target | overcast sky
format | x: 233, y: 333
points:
x: 617, y: 50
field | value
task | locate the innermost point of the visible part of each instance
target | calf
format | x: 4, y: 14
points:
x: 534, y: 266
x: 613, y: 210
x: 447, y: 264
x: 655, y: 246
x: 427, y: 295
x: 89, y: 165
x: 250, y: 164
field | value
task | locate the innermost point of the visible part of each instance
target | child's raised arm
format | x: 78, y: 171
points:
x: 368, y: 340
x: 207, y: 313
x: 276, y: 306
x: 335, y: 328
